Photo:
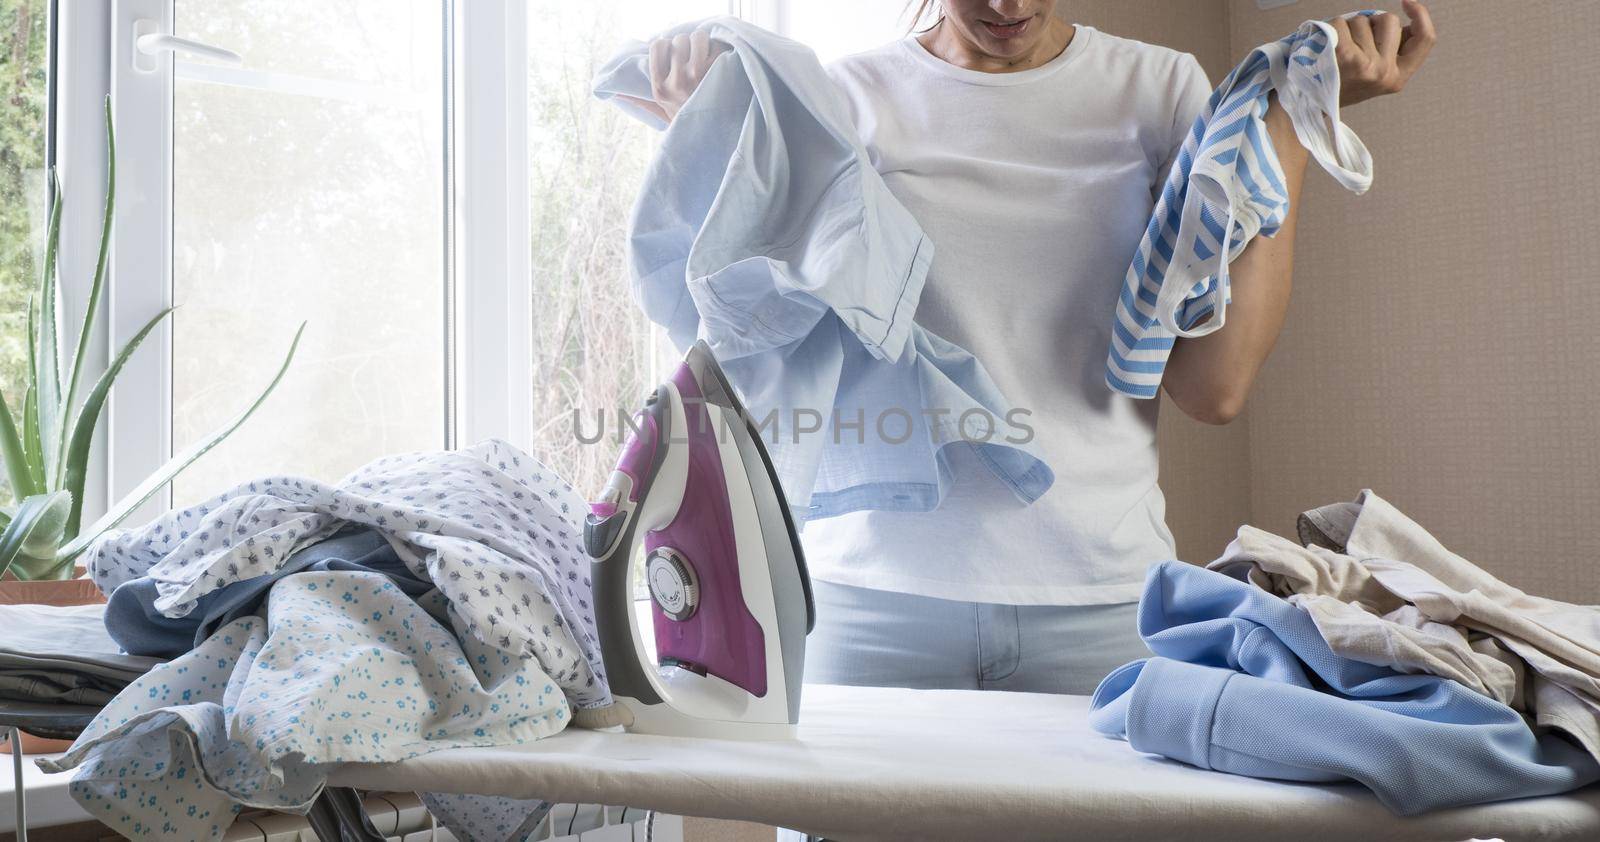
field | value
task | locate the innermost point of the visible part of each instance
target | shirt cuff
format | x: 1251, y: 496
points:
x: 1171, y: 708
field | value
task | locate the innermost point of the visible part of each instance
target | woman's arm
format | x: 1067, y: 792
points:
x: 1209, y: 377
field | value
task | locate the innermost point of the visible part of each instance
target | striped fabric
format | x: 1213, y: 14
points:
x: 1226, y: 187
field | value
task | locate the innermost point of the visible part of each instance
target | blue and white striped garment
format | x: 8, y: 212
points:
x: 1227, y: 183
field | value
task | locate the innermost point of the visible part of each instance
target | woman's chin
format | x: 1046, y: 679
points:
x: 1009, y: 49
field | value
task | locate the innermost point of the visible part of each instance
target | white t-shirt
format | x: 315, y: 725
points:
x: 1035, y: 188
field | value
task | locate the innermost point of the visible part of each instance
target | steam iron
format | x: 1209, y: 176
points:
x: 695, y: 500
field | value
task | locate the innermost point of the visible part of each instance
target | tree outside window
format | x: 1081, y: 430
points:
x: 24, y: 33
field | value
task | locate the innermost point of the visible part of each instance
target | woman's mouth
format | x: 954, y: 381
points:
x: 1007, y: 29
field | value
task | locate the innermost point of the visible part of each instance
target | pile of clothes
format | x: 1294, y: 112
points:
x: 1366, y: 652
x: 427, y: 601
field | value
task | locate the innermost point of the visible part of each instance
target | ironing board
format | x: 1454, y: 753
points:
x: 878, y: 763
x: 56, y: 722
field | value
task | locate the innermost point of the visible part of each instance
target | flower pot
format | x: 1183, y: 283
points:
x: 49, y: 591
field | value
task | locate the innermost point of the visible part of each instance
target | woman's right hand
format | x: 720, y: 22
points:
x: 677, y: 65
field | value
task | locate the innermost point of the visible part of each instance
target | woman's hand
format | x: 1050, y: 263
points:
x: 1377, y: 55
x: 677, y: 66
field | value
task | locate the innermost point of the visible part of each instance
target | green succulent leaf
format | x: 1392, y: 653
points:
x: 15, y: 456
x: 28, y: 544
x: 92, y: 304
x: 32, y: 453
x: 153, y: 483
x: 44, y: 352
x: 33, y: 297
x: 75, y: 463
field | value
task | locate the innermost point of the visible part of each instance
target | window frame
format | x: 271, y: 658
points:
x: 135, y: 436
x: 494, y: 316
x: 138, y: 419
x: 83, y: 74
x: 486, y: 269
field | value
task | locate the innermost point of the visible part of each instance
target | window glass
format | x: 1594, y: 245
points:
x: 837, y: 28
x: 594, y: 350
x: 24, y: 33
x: 308, y: 186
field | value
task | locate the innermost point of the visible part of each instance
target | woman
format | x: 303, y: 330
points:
x: 1031, y: 151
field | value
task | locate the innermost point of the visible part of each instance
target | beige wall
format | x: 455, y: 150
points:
x: 1437, y: 348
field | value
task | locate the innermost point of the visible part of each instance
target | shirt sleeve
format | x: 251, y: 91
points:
x: 1190, y: 92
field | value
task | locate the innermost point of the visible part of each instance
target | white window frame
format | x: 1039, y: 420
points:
x: 494, y: 316
x: 83, y: 73
x: 139, y: 416
x: 489, y: 337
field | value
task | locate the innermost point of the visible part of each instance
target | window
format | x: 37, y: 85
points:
x: 428, y: 184
x: 837, y: 28
x: 307, y: 185
x: 593, y: 349
x: 24, y: 39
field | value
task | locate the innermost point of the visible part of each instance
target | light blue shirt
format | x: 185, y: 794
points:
x: 1242, y: 682
x: 763, y: 229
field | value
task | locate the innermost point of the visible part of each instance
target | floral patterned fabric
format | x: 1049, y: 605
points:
x: 344, y: 666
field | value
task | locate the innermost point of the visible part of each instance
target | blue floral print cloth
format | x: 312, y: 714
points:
x: 344, y: 666
x: 491, y: 527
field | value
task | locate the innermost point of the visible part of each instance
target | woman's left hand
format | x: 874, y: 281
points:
x: 1377, y: 55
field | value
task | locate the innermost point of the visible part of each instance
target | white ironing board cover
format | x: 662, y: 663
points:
x: 880, y: 763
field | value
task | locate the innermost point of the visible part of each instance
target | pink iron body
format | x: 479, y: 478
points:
x: 694, y: 500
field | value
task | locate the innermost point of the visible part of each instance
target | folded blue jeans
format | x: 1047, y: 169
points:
x: 134, y: 623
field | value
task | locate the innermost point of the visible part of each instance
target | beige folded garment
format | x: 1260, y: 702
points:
x: 1382, y: 590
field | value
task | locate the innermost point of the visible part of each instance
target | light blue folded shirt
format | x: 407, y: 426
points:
x: 1242, y: 682
x: 763, y: 229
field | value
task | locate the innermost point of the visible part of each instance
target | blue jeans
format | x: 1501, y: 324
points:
x: 888, y: 639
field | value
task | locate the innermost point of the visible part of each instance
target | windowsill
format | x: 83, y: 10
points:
x: 49, y: 803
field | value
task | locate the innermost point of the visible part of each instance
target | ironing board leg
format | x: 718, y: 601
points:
x: 15, y: 736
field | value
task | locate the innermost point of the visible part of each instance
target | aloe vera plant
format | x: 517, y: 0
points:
x: 46, y: 457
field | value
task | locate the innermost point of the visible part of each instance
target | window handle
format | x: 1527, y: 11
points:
x: 150, y: 43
